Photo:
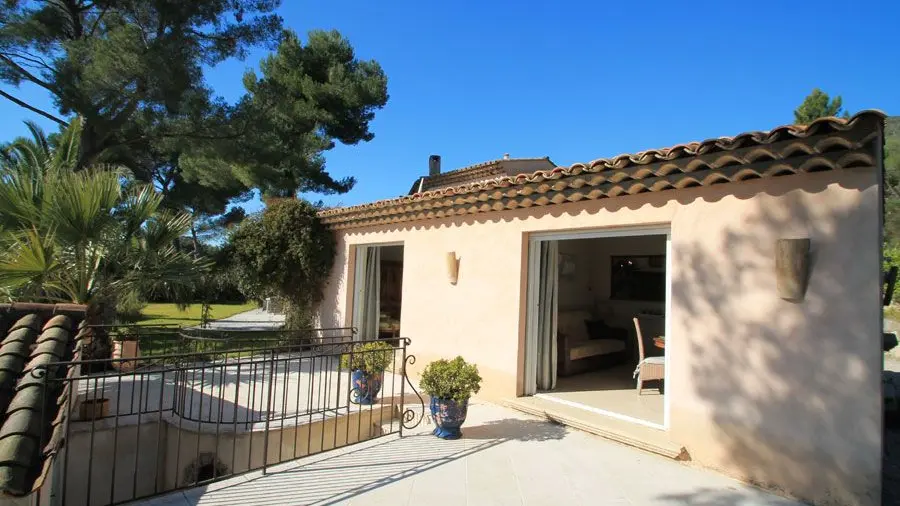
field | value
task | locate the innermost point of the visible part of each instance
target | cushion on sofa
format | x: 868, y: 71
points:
x: 571, y: 324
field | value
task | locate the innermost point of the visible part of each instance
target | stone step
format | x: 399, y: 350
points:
x: 631, y: 434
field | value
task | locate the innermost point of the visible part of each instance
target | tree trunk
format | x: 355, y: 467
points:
x: 87, y: 147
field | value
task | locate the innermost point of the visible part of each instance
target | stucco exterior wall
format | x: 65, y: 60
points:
x: 132, y: 449
x: 157, y: 459
x: 774, y: 392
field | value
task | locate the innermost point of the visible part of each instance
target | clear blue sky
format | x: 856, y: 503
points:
x: 582, y: 80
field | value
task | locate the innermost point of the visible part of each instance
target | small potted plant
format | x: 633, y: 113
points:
x: 367, y: 363
x: 450, y: 383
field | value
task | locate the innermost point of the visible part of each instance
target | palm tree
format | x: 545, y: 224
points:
x: 42, y: 151
x: 86, y: 237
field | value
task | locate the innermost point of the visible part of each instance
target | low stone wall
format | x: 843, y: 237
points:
x: 165, y: 454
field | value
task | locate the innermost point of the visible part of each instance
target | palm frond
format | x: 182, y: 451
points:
x: 65, y: 152
x: 21, y: 191
x: 39, y: 138
x: 168, y: 273
x: 31, y: 155
x: 80, y: 204
x: 163, y: 229
x: 30, y: 260
x: 78, y: 236
x: 139, y: 205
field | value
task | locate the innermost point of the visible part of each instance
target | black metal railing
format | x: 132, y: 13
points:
x: 172, y: 339
x: 155, y: 421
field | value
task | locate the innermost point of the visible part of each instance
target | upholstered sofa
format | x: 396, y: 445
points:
x: 578, y: 353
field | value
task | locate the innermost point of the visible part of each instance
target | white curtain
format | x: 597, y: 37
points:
x: 546, y: 319
x: 367, y: 300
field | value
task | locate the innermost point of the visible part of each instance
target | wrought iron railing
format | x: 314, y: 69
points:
x: 166, y: 419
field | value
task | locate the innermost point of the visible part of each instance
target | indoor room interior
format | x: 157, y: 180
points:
x: 604, y: 284
x: 391, y: 291
x: 378, y: 291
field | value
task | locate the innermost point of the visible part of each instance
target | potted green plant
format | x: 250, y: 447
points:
x: 367, y: 363
x: 450, y: 384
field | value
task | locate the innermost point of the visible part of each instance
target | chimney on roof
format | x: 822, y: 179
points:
x: 434, y: 165
x: 506, y: 156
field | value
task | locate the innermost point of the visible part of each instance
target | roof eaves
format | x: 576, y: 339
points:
x: 36, y: 340
x: 624, y: 174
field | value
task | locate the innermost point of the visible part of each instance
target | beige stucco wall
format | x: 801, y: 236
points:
x: 784, y: 394
x: 246, y: 450
x: 133, y: 451
x: 157, y: 459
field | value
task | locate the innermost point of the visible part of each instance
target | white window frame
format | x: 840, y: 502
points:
x: 534, y: 243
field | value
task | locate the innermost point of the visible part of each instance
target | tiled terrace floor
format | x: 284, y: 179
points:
x: 611, y: 390
x: 504, y: 458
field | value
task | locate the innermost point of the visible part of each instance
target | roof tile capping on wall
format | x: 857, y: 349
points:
x: 34, y: 336
x: 825, y: 144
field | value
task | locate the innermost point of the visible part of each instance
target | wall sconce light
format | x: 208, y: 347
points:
x: 452, y: 267
x: 792, y: 268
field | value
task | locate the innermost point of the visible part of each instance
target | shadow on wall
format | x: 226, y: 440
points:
x: 792, y: 389
x: 329, y: 315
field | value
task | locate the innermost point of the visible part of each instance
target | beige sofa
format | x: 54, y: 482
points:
x: 577, y: 352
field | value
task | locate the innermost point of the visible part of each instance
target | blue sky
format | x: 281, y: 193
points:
x: 581, y: 80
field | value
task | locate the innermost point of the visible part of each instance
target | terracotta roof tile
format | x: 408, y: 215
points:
x: 473, y: 173
x: 14, y: 352
x: 825, y: 144
x: 38, y: 335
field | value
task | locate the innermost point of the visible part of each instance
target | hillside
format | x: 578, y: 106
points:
x: 892, y: 128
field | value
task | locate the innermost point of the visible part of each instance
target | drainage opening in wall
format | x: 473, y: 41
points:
x: 207, y: 467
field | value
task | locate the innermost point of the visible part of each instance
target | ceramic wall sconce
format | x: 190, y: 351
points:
x: 452, y: 267
x: 792, y: 268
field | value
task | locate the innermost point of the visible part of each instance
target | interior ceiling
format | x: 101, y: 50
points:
x: 392, y: 253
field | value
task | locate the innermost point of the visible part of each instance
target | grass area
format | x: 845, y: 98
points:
x: 892, y: 312
x: 157, y: 341
x: 158, y: 314
x: 168, y: 340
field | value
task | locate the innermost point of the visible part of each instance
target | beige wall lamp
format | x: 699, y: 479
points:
x: 452, y: 267
x: 792, y: 268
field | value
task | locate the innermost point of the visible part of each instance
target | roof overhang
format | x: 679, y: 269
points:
x: 826, y: 144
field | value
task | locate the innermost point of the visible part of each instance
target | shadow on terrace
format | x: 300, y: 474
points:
x: 336, y: 478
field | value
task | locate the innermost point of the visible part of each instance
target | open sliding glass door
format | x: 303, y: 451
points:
x: 367, y: 292
x: 540, y: 329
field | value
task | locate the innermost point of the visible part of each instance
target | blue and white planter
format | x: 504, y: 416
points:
x: 448, y: 416
x: 365, y: 387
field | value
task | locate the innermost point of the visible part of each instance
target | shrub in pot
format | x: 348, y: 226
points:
x: 450, y: 384
x: 367, y: 363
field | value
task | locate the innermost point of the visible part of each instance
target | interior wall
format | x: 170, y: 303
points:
x: 392, y: 253
x: 602, y: 251
x: 620, y: 313
x: 587, y: 287
x: 578, y: 289
x: 391, y: 285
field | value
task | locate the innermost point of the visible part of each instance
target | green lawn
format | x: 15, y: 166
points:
x: 156, y: 314
x: 892, y: 312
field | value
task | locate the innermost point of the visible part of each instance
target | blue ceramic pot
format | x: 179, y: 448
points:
x: 365, y: 387
x: 448, y: 416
